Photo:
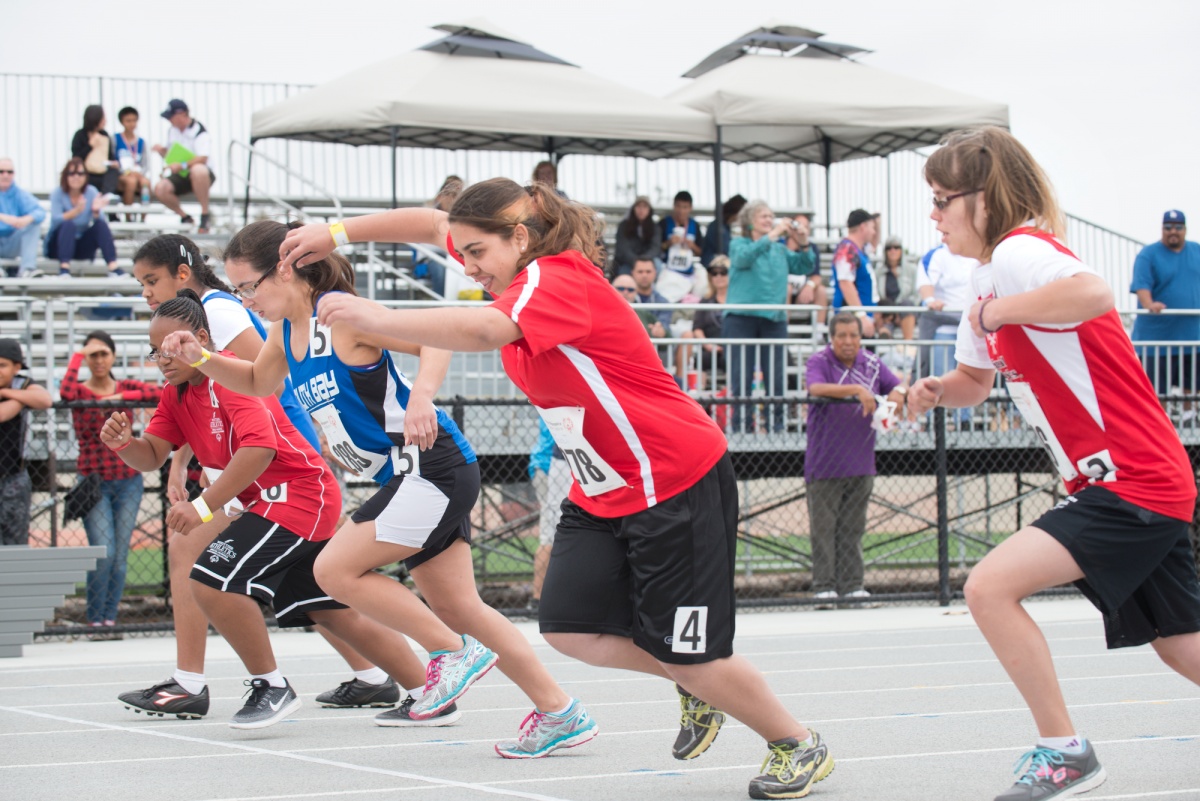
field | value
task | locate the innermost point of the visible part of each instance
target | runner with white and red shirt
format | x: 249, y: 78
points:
x: 641, y: 574
x: 1046, y: 321
x: 291, y: 505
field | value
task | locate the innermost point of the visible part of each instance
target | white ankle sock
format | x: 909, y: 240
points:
x: 1067, y: 745
x: 564, y: 710
x: 192, y: 682
x: 373, y: 676
x: 274, y: 678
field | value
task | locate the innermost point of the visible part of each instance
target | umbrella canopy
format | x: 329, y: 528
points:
x: 487, y: 92
x: 822, y: 111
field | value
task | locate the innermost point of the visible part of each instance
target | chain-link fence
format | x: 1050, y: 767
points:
x: 947, y: 489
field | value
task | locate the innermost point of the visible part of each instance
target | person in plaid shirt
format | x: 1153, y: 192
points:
x: 110, y: 522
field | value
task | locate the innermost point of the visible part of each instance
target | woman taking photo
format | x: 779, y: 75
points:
x: 641, y: 573
x: 77, y: 228
x: 111, y: 521
x: 1047, y: 321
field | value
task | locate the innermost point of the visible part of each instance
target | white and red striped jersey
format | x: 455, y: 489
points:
x: 1080, y: 385
x: 583, y: 348
x: 297, y: 490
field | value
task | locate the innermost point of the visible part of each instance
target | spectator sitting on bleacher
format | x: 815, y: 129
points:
x: 730, y: 210
x: 761, y: 264
x: 680, y: 233
x: 132, y: 156
x: 643, y: 278
x: 625, y: 286
x: 77, y: 229
x: 94, y: 147
x: 853, y: 282
x: 897, y: 282
x: 21, y: 219
x: 192, y: 172
x: 546, y: 173
x: 638, y: 237
x: 17, y: 395
x: 706, y: 325
x: 451, y: 188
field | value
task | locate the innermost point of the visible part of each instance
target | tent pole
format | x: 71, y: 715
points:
x: 718, y: 222
x: 827, y: 160
x: 246, y: 199
x: 395, y: 200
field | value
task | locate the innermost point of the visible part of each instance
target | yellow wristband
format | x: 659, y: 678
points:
x: 338, y: 232
x: 202, y: 508
x: 204, y: 356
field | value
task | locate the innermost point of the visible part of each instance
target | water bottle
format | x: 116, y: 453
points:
x: 146, y: 195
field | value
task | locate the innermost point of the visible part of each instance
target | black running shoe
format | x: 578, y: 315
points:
x: 167, y: 698
x: 400, y: 717
x: 790, y: 770
x: 358, y: 693
x: 265, y: 705
x: 205, y: 224
x: 698, y: 726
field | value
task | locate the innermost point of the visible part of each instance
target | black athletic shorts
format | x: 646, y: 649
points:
x: 183, y: 186
x: 1138, y: 565
x: 663, y: 576
x: 424, y: 511
x: 274, y: 566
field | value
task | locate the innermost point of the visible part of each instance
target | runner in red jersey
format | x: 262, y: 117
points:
x: 1046, y: 322
x: 641, y: 572
x: 291, y: 505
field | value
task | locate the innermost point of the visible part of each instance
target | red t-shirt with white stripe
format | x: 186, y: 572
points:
x: 1097, y: 401
x: 297, y: 490
x: 582, y: 345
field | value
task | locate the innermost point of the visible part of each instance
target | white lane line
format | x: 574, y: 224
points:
x: 250, y: 749
x: 1191, y: 792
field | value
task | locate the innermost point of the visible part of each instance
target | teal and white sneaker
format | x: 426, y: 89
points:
x: 541, y: 733
x: 449, y: 674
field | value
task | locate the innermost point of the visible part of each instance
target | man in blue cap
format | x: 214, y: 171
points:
x: 1166, y: 275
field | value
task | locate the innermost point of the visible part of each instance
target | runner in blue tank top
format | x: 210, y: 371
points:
x: 163, y: 266
x: 388, y: 429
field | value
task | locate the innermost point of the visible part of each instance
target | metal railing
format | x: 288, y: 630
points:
x: 244, y: 181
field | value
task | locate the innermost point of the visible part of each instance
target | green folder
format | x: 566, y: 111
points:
x: 178, y: 154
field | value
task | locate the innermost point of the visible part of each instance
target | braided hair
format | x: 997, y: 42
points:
x: 172, y: 250
x: 187, y: 308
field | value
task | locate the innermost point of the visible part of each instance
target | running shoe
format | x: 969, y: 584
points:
x: 359, y: 693
x: 265, y: 705
x: 790, y: 770
x: 167, y: 698
x: 541, y: 733
x: 449, y: 674
x: 1046, y: 774
x: 698, y: 726
x: 827, y: 599
x: 400, y: 716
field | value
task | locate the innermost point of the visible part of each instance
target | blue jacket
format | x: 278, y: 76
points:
x: 17, y: 202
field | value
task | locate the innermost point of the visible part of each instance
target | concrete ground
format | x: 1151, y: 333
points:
x: 910, y: 700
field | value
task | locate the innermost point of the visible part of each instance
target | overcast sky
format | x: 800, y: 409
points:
x: 1103, y: 93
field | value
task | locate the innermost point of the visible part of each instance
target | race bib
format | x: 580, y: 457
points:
x: 1031, y: 410
x: 594, y: 475
x: 406, y: 460
x: 320, y: 341
x: 360, y: 462
x: 679, y: 259
x: 276, y: 494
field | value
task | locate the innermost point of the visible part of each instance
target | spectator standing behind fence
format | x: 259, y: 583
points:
x: 551, y: 479
x: 1166, y: 275
x: 111, y: 521
x: 760, y: 266
x: 545, y: 172
x: 190, y: 174
x: 21, y: 219
x: 17, y: 395
x: 94, y: 147
x: 896, y: 278
x: 853, y: 282
x: 77, y: 228
x: 839, y: 466
x: 133, y: 158
x: 638, y: 237
x: 730, y: 210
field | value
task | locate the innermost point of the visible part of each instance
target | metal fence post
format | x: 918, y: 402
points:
x: 943, y: 521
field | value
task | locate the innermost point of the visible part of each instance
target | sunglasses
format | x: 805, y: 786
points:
x: 626, y: 288
x: 76, y: 172
x: 7, y: 172
x: 941, y: 203
x: 1173, y: 226
x: 718, y: 271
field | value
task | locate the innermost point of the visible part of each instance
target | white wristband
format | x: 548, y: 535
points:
x: 202, y: 508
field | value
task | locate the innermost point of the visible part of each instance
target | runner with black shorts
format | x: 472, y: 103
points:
x: 1046, y: 322
x: 641, y: 573
x: 290, y: 504
x: 372, y: 417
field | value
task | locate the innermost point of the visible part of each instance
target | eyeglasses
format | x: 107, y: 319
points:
x: 626, y: 288
x: 941, y: 203
x: 1173, y: 226
x: 7, y: 172
x: 76, y: 172
x: 156, y: 355
x: 248, y: 292
x: 718, y: 272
